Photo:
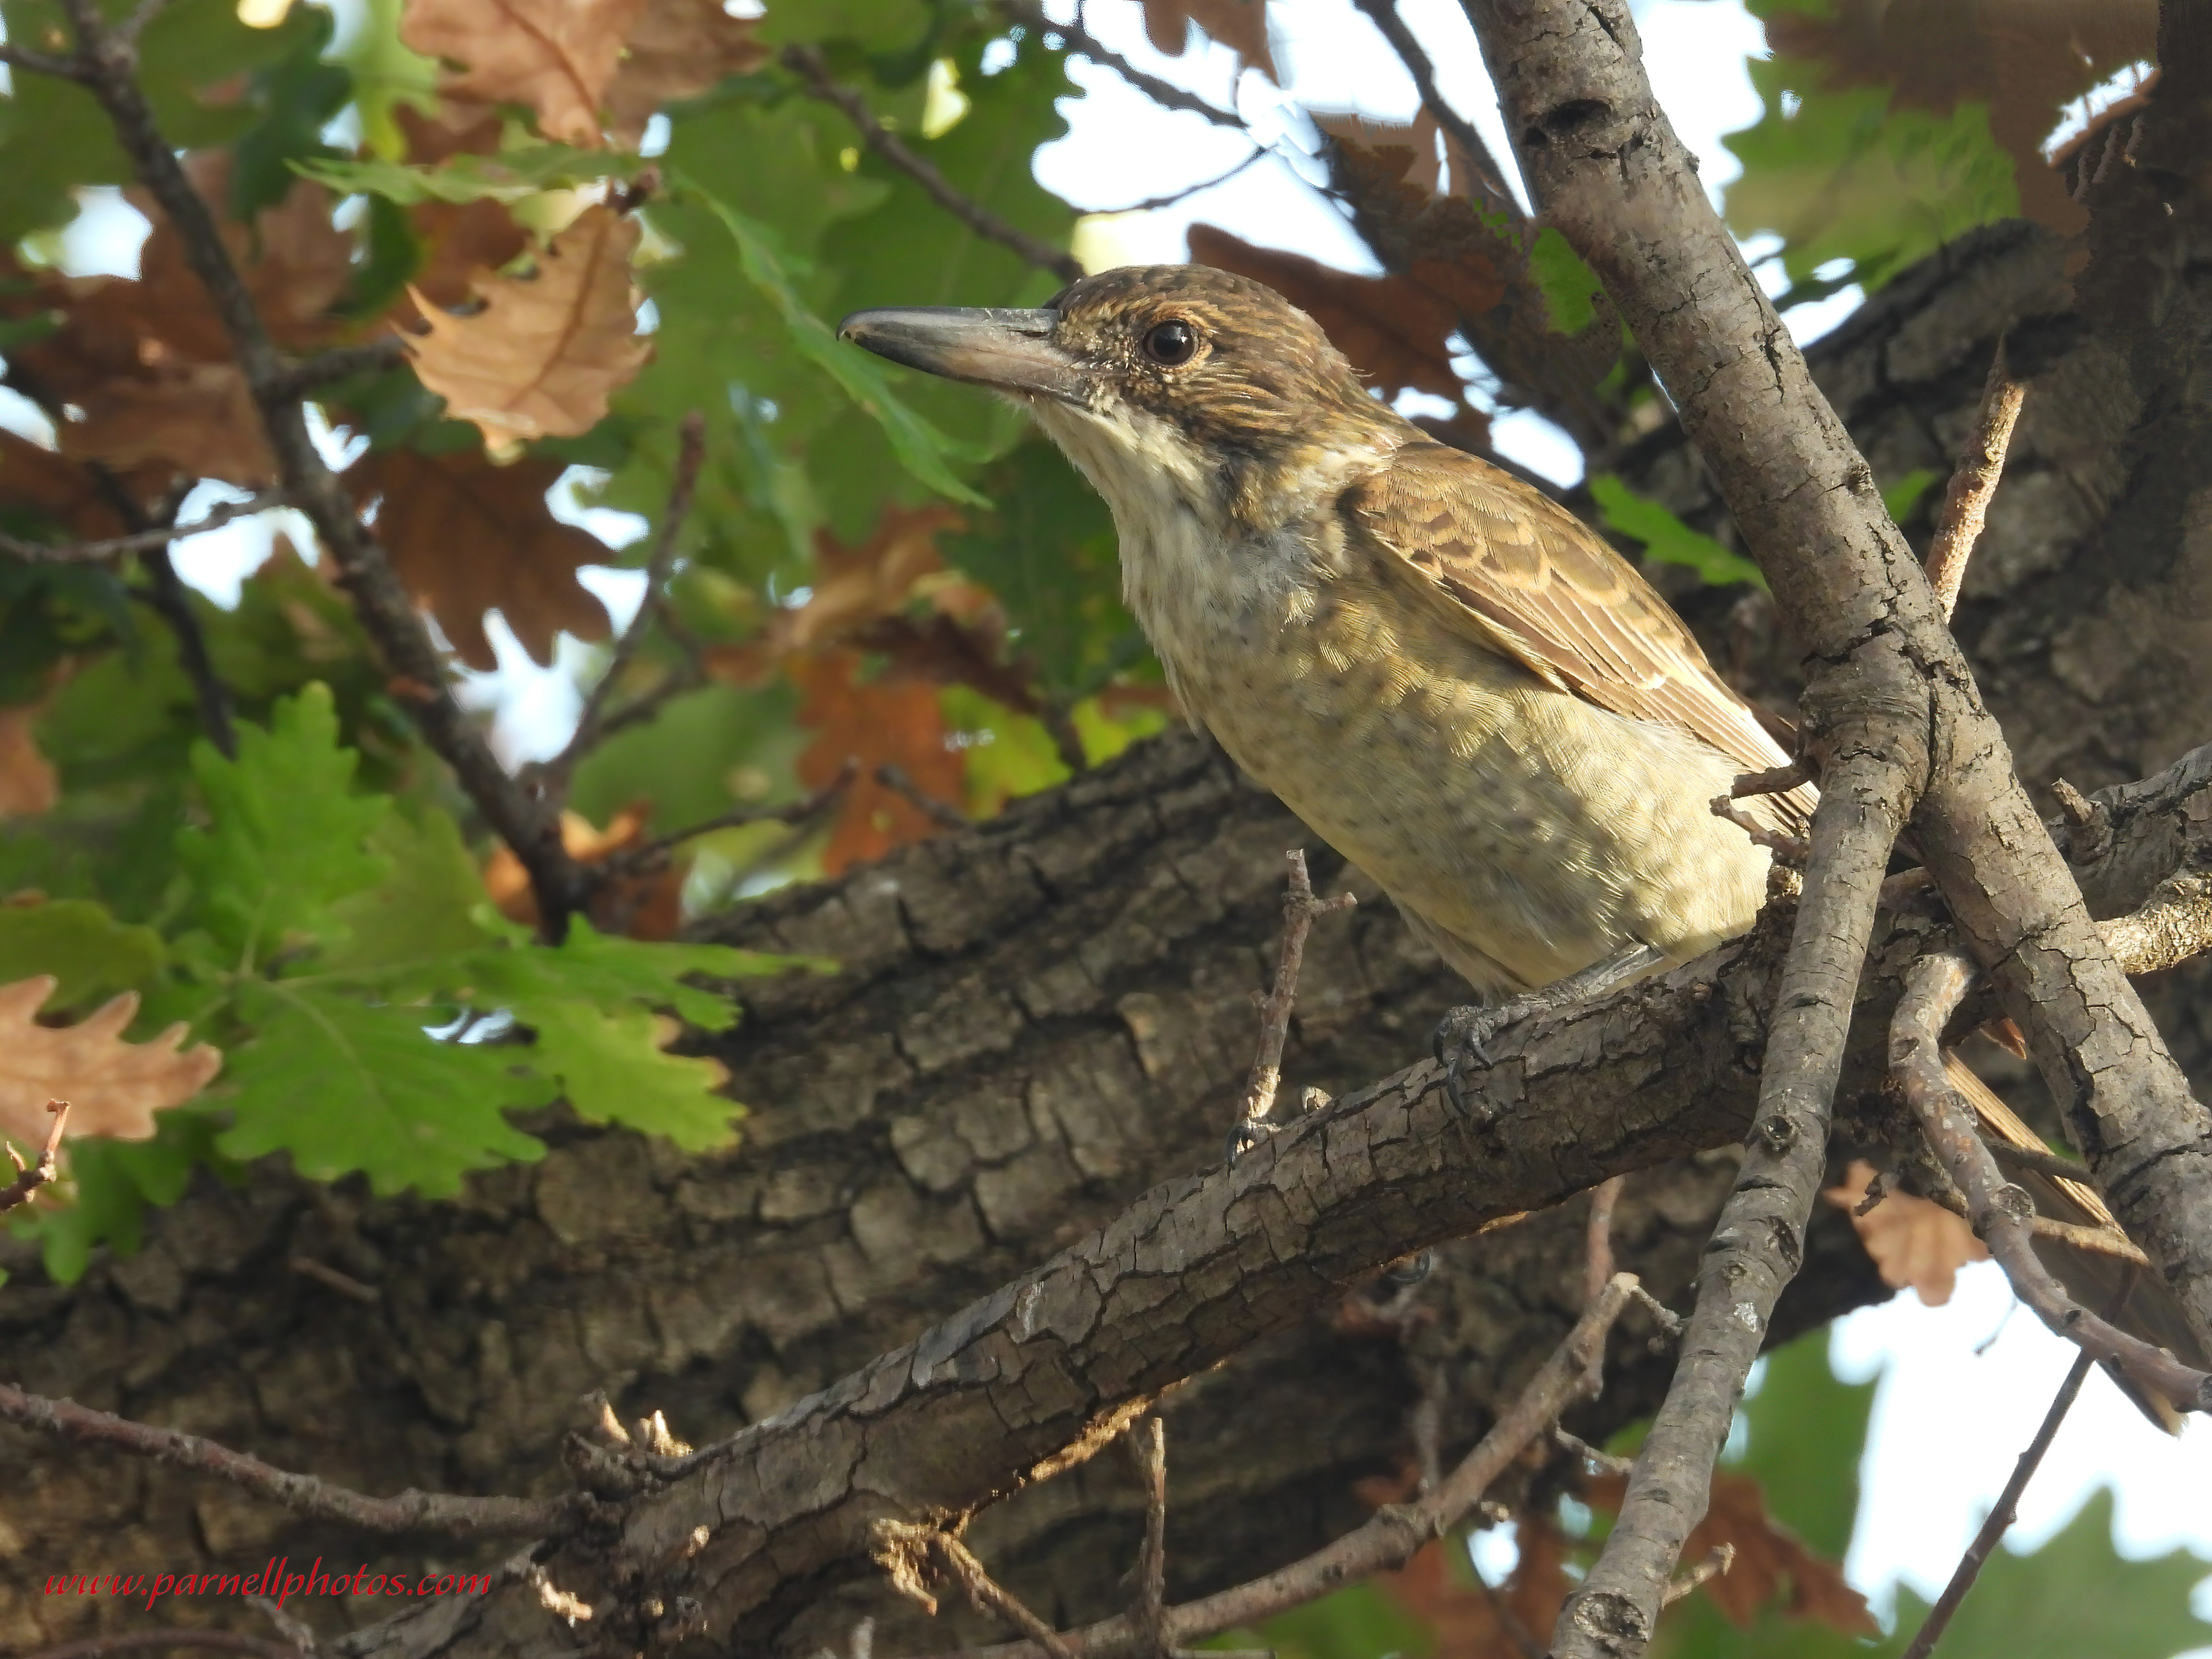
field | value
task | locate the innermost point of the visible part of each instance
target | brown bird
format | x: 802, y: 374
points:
x: 1451, y: 679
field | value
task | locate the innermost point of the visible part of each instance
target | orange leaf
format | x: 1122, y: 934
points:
x: 28, y: 786
x: 114, y: 1087
x: 895, y: 719
x: 1473, y: 1622
x: 1240, y: 25
x: 295, y: 262
x: 555, y: 56
x: 856, y: 585
x: 468, y: 536
x: 677, y: 50
x: 1393, y: 328
x: 547, y: 350
x: 1911, y: 1240
x: 197, y: 419
x: 1771, y: 1560
x: 648, y: 906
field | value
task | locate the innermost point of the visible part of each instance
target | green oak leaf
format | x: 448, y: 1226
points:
x: 344, y: 1086
x: 1666, y: 538
x: 82, y: 945
x: 420, y: 914
x: 286, y: 834
x: 1571, y: 288
x: 113, y: 1182
x: 613, y: 1070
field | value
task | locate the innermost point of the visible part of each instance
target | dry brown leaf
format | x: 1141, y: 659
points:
x: 677, y: 50
x: 52, y: 485
x: 27, y: 784
x: 1471, y: 1622
x: 468, y: 536
x: 447, y: 129
x: 296, y: 264
x: 542, y: 357
x: 649, y: 906
x: 894, y: 718
x: 114, y: 1087
x: 2027, y: 63
x: 1394, y: 328
x: 555, y: 56
x: 1910, y: 1240
x: 460, y: 240
x: 1240, y: 25
x: 856, y: 585
x: 198, y: 419
x: 1771, y: 1560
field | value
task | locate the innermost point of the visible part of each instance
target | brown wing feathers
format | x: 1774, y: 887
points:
x: 1545, y: 588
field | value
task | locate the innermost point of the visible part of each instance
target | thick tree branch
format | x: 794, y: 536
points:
x: 529, y: 826
x: 806, y: 63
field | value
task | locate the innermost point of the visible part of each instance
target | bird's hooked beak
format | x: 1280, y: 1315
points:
x: 1005, y: 350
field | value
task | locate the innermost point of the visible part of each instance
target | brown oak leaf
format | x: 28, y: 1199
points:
x: 54, y: 487
x: 892, y: 717
x: 1393, y: 328
x: 1473, y: 1622
x: 1770, y: 1561
x: 27, y: 784
x: 468, y: 536
x: 1240, y: 25
x: 676, y: 50
x: 1910, y: 1240
x: 547, y: 349
x: 555, y: 56
x: 114, y: 1087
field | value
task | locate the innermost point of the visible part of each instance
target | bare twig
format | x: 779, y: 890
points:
x: 1966, y: 500
x: 1391, y: 1537
x: 157, y: 536
x: 161, y: 1641
x: 531, y: 826
x: 2042, y: 1164
x: 897, y: 778
x: 1789, y: 848
x: 636, y: 861
x: 1300, y: 910
x: 304, y: 374
x: 30, y: 1178
x: 1775, y: 780
x: 2002, y: 1214
x: 2166, y: 929
x: 1149, y: 1612
x: 1970, y: 1565
x: 1083, y: 43
x: 1488, y: 187
x: 39, y: 62
x: 297, y: 1633
x: 408, y: 1511
x: 1597, y: 1256
x: 913, y: 1555
x: 592, y: 723
x: 806, y: 63
x: 1152, y: 203
x: 1718, y: 1560
x: 345, y: 1284
x: 1603, y: 1462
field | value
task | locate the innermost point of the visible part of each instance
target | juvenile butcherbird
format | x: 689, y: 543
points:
x: 1451, y: 679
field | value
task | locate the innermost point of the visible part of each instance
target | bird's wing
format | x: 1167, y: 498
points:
x: 1536, y: 583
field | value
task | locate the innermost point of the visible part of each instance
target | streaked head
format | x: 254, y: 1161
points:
x: 1210, y: 378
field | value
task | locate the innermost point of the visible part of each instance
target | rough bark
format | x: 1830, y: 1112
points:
x: 548, y: 1281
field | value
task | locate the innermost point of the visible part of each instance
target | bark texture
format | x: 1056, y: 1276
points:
x: 1035, y: 1025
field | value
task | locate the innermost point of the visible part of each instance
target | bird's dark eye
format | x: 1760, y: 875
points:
x: 1171, y: 343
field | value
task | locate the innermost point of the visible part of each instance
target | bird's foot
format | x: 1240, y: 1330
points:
x: 1462, y: 1034
x: 1249, y: 1131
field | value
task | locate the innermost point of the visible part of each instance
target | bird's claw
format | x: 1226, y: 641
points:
x: 1459, y: 1043
x: 1248, y: 1133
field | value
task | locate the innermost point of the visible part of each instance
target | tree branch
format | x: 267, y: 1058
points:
x: 29, y: 1177
x: 158, y: 536
x: 806, y: 63
x: 1489, y: 184
x: 303, y: 1494
x: 1966, y: 498
x: 1083, y: 43
x: 530, y: 827
x: 1300, y: 910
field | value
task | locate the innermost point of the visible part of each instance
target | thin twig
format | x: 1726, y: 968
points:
x: 30, y: 1178
x: 1300, y: 910
x: 304, y: 374
x: 1970, y: 1565
x: 39, y: 62
x: 345, y: 1284
x: 1718, y: 1559
x: 636, y: 861
x: 1774, y: 781
x: 1148, y: 1613
x: 1597, y: 1256
x: 897, y: 778
x: 1391, y: 1537
x: 806, y: 63
x: 156, y: 535
x: 1489, y: 184
x: 1967, y: 499
x: 1785, y: 846
x: 1603, y: 1462
x: 592, y: 723
x: 1153, y: 203
x: 2042, y: 1164
x: 160, y: 1641
x: 914, y: 1554
x: 406, y: 1511
x: 531, y: 826
x: 1083, y: 43
x: 2002, y: 1214
x: 135, y: 25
